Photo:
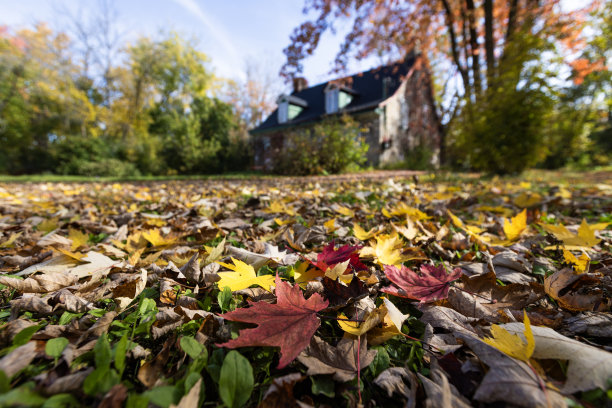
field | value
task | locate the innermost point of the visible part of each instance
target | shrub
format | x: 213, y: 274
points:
x: 502, y: 133
x: 332, y: 146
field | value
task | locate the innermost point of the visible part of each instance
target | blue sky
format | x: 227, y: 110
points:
x: 228, y: 31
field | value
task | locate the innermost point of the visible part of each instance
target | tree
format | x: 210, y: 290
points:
x: 40, y: 99
x: 473, y: 48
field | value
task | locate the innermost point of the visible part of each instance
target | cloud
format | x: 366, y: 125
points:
x: 233, y: 58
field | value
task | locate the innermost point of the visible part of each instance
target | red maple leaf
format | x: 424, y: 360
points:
x: 330, y: 257
x: 288, y: 324
x: 432, y: 284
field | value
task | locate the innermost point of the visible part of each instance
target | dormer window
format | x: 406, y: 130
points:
x: 337, y: 98
x: 289, y: 107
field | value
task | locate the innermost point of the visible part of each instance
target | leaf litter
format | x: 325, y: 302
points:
x: 366, y: 291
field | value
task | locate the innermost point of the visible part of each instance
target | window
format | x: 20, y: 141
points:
x: 344, y: 99
x: 283, y: 111
x: 331, y: 101
x: 294, y: 111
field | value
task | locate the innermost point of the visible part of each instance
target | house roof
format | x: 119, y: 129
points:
x: 368, y: 89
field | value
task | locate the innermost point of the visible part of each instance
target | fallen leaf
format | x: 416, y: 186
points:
x: 577, y: 292
x: 580, y: 264
x: 288, y: 324
x: 242, y: 277
x: 589, y: 367
x: 516, y: 225
x: 341, y: 361
x: 511, y: 344
x: 431, y: 284
x: 509, y: 380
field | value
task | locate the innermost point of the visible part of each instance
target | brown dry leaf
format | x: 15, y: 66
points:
x: 280, y: 392
x: 509, y: 380
x: 18, y: 359
x: 448, y: 319
x: 577, y: 292
x: 67, y: 383
x: 401, y: 381
x: 31, y: 303
x: 589, y: 367
x: 149, y: 372
x: 125, y: 293
x: 491, y: 297
x: 341, y: 360
x: 42, y: 283
x: 192, y: 270
x: 595, y: 324
x: 440, y: 393
x: 114, y: 397
x: 54, y: 240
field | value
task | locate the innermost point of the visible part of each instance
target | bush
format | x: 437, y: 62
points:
x: 502, y: 133
x: 89, y: 157
x: 332, y: 146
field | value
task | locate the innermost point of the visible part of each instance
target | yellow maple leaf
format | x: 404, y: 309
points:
x: 330, y: 225
x: 155, y: 237
x: 512, y: 344
x: 515, y: 226
x: 337, y: 272
x: 387, y: 250
x: 527, y: 199
x: 580, y: 264
x: 48, y: 225
x: 559, y: 231
x: 78, y: 238
x: 370, y: 320
x: 279, y: 207
x: 362, y: 234
x: 404, y: 209
x: 303, y: 275
x: 243, y: 277
x: 584, y: 238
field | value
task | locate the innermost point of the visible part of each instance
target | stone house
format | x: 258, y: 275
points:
x: 393, y: 104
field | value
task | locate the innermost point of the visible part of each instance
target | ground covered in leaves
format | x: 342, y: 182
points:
x: 370, y: 291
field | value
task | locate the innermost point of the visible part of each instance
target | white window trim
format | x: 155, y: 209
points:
x: 283, y: 111
x: 331, y: 100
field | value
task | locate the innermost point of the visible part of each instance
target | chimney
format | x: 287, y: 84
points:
x: 299, y: 84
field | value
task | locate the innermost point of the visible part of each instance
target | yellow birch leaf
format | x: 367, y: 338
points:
x: 515, y: 226
x: 78, y: 238
x: 580, y: 264
x: 512, y: 344
x: 243, y: 277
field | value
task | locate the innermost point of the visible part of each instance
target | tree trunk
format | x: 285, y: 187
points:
x: 489, y: 45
